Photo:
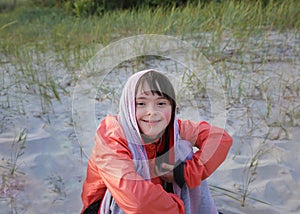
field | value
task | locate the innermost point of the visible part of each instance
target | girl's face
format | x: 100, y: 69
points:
x: 153, y: 112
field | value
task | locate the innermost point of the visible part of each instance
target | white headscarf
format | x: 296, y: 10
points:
x: 130, y: 127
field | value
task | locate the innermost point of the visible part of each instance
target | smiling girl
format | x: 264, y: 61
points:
x: 143, y: 161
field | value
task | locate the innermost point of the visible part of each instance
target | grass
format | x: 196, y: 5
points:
x: 12, y: 178
x: 240, y: 197
x: 250, y: 170
x: 29, y: 34
x: 40, y: 46
x: 55, y: 27
x: 17, y: 151
x: 57, y: 186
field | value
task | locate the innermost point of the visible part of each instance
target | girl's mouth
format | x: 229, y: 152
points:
x: 151, y: 121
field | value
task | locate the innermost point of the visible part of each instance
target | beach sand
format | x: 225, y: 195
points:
x: 51, y: 171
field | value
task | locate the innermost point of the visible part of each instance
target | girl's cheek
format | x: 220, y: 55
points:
x: 167, y: 115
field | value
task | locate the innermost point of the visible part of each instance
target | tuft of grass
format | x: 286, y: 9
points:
x: 17, y: 150
x: 250, y: 170
x: 234, y: 195
x: 12, y: 179
x: 57, y: 186
x: 249, y: 176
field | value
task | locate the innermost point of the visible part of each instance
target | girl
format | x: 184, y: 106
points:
x: 143, y: 161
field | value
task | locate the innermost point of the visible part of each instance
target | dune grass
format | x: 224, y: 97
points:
x: 52, y: 29
x: 29, y: 24
x: 73, y: 40
x: 39, y: 46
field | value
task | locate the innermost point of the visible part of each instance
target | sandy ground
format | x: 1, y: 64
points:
x: 51, y: 171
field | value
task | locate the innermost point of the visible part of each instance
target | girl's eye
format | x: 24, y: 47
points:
x: 162, y: 103
x: 139, y: 103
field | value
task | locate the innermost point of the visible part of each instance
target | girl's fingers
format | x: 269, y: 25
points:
x: 167, y: 166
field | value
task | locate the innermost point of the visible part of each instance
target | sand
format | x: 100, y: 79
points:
x: 51, y: 171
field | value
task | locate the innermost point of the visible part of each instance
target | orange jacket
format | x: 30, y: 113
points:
x: 111, y: 166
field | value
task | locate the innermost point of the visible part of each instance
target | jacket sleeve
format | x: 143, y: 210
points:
x: 131, y: 192
x: 213, y: 145
x: 93, y: 187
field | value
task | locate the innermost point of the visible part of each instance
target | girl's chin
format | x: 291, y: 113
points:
x: 148, y: 139
x: 151, y: 138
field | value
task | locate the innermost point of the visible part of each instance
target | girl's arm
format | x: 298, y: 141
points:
x: 93, y: 189
x: 213, y: 144
x: 132, y: 193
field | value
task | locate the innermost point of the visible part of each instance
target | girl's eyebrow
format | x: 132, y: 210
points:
x: 144, y: 98
x: 141, y: 98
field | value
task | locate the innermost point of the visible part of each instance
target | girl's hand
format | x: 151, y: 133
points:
x: 166, y: 173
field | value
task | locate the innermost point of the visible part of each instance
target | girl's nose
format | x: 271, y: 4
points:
x: 151, y: 109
